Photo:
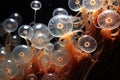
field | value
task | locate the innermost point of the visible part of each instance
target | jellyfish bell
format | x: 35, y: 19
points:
x: 109, y: 20
x: 87, y: 43
x: 36, y: 5
x: 50, y: 76
x: 92, y: 5
x: 60, y: 25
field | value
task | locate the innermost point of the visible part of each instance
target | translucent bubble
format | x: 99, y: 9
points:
x: 41, y: 28
x: 10, y: 68
x: 26, y: 32
x: 50, y: 47
x: 17, y: 17
x: 36, y: 5
x: 31, y: 77
x: 10, y: 25
x: 50, y: 76
x: 109, y: 20
x: 22, y: 53
x: 59, y: 11
x: 39, y: 41
x: 61, y: 57
x: 75, y: 5
x: 92, y: 5
x: 60, y: 25
x: 87, y: 43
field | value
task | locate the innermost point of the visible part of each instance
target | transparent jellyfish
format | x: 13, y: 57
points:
x: 39, y: 28
x: 22, y: 54
x: 50, y: 76
x: 109, y: 20
x: 31, y: 77
x: 60, y: 25
x: 60, y: 57
x: 75, y: 5
x: 10, y: 68
x: 92, y: 5
x: 59, y: 11
x: 26, y: 32
x: 39, y: 41
x: 10, y: 25
x: 36, y: 5
x: 87, y: 43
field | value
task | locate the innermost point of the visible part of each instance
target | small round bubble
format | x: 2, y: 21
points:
x: 59, y: 11
x: 31, y: 77
x: 36, y: 5
x: 50, y: 76
x: 10, y: 25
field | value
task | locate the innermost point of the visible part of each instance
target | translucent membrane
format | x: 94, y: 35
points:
x: 60, y: 25
x: 36, y: 5
x: 10, y: 25
x: 50, y: 76
x: 75, y: 5
x: 59, y: 11
x: 31, y: 77
x: 87, y: 43
x: 22, y: 54
x: 92, y: 5
x: 109, y: 19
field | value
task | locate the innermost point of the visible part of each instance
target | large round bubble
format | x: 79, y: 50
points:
x: 109, y: 20
x: 60, y: 25
x: 50, y: 76
x: 87, y: 43
x: 36, y: 5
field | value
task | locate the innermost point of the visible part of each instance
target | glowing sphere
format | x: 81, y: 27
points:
x: 60, y: 57
x: 109, y: 20
x: 75, y: 5
x: 50, y: 76
x: 41, y: 28
x: 87, y: 43
x: 26, y: 32
x: 60, y: 25
x: 39, y: 41
x: 36, y: 5
x: 92, y: 5
x: 31, y: 77
x: 10, y: 25
x: 59, y: 11
x: 22, y: 54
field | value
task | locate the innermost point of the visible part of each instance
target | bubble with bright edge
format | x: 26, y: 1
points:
x: 60, y: 25
x: 59, y: 11
x: 109, y: 20
x: 10, y: 25
x: 31, y: 77
x: 60, y: 57
x: 39, y: 41
x: 50, y: 76
x: 26, y: 32
x: 10, y: 68
x: 87, y: 43
x: 92, y: 5
x: 75, y: 5
x: 36, y: 5
x: 22, y: 54
x: 39, y: 28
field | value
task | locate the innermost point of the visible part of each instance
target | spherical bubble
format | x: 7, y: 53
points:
x: 36, y: 5
x: 39, y: 41
x: 92, y: 5
x: 26, y: 32
x: 50, y: 76
x: 59, y: 11
x: 60, y: 25
x: 31, y: 77
x: 22, y: 53
x: 109, y: 20
x: 75, y: 5
x: 10, y: 68
x: 41, y: 28
x: 87, y: 43
x: 60, y: 57
x: 50, y: 47
x: 10, y: 25
x: 17, y: 17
